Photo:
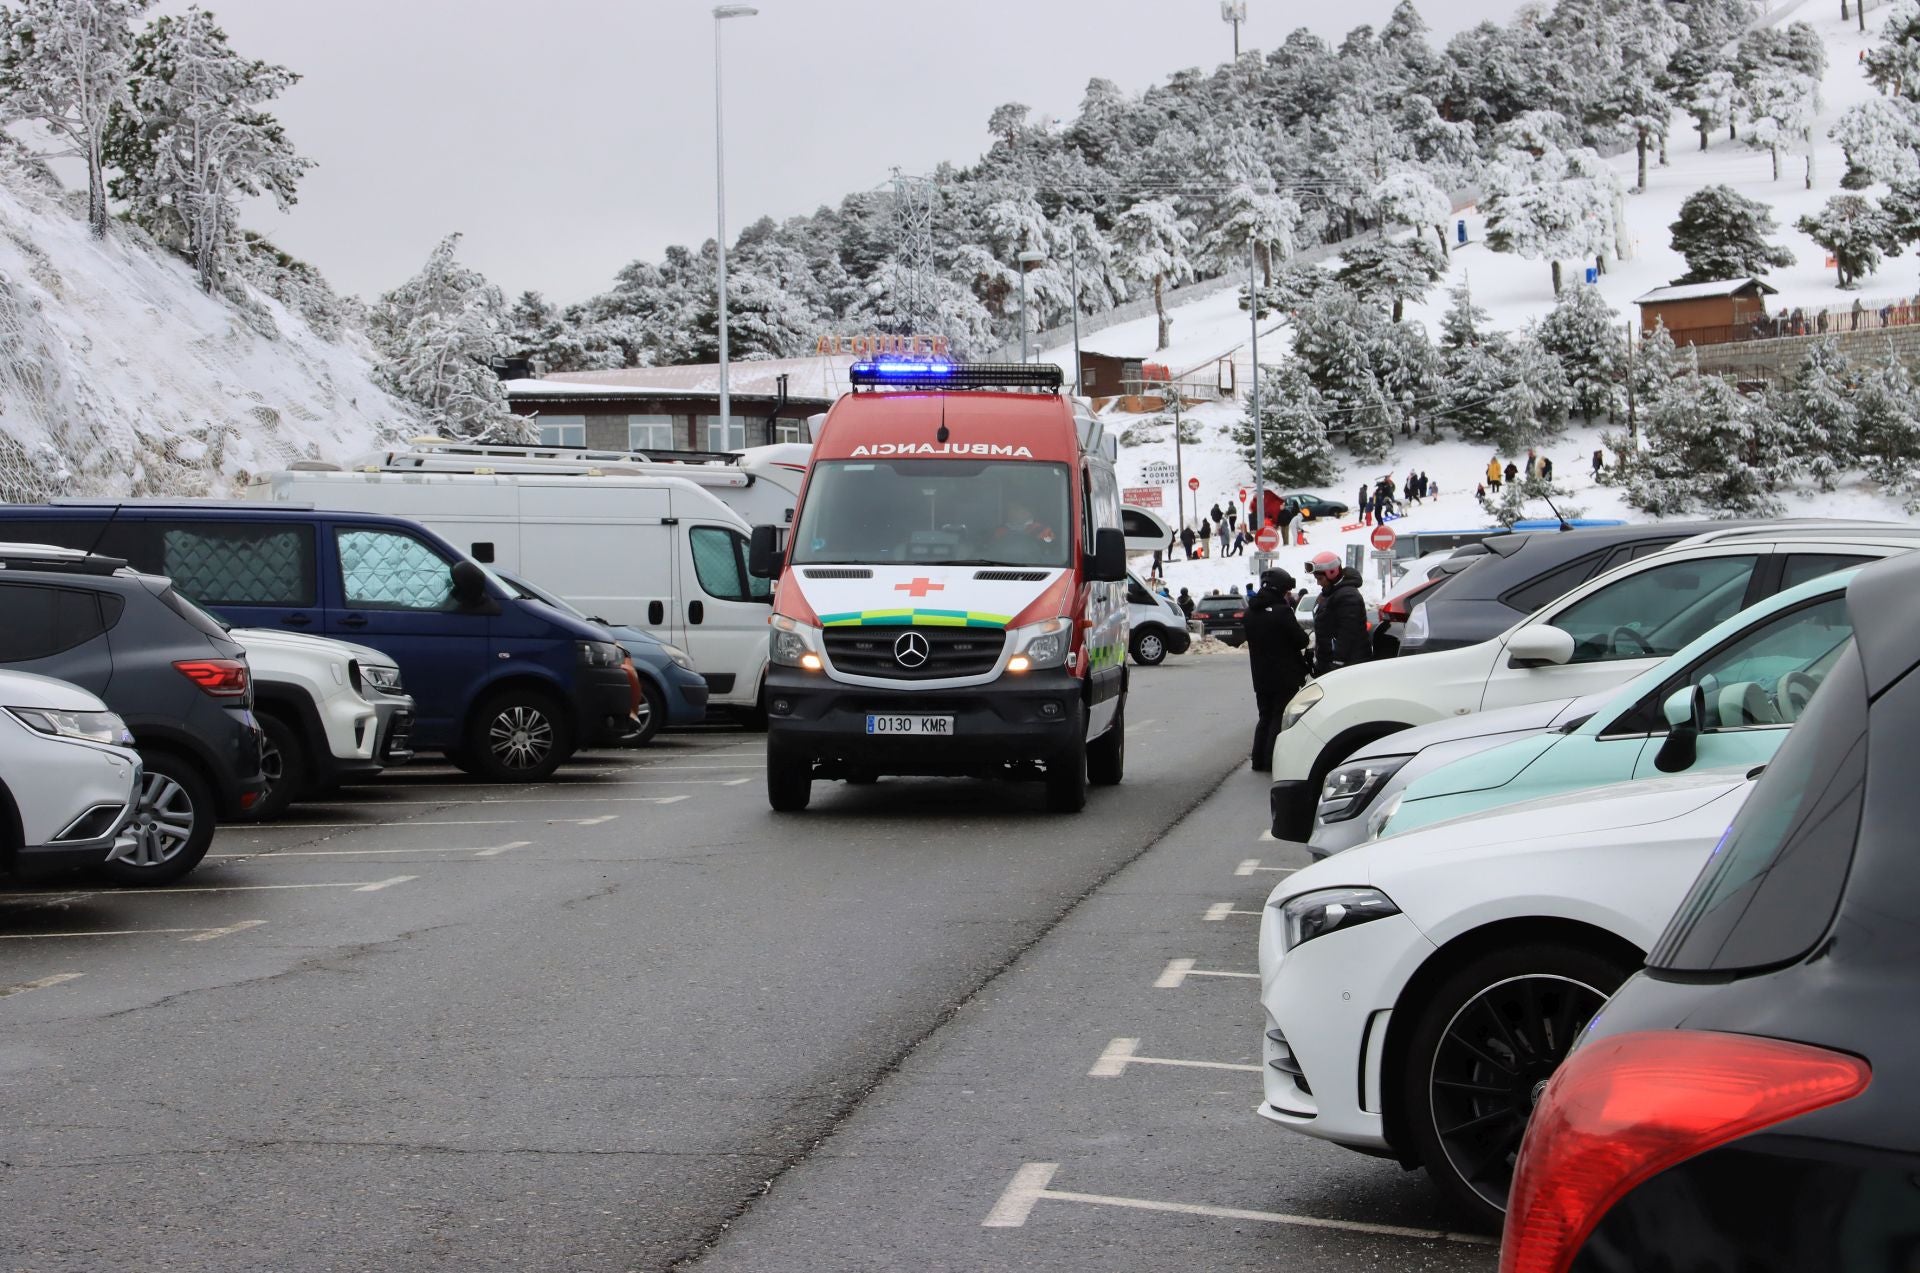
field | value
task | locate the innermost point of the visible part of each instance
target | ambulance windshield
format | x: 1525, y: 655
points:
x: 935, y: 513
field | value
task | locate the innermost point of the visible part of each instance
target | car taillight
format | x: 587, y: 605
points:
x: 1239, y: 614
x: 1623, y: 1109
x: 1399, y: 609
x: 222, y: 678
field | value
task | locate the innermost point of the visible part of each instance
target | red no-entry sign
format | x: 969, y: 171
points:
x: 1193, y: 483
x: 1383, y: 538
x: 1266, y: 539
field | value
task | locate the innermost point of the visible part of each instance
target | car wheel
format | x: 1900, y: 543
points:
x: 172, y: 824
x: 1107, y: 754
x: 1067, y: 774
x: 1149, y: 648
x: 1490, y: 1037
x: 789, y: 778
x: 283, y: 762
x: 518, y: 736
x: 650, y: 716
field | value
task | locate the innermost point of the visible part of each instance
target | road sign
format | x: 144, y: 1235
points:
x: 1143, y: 497
x: 1383, y: 537
x: 1243, y: 495
x: 1266, y: 539
x: 1193, y: 483
x: 1159, y: 473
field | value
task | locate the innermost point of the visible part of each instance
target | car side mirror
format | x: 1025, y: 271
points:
x: 469, y: 584
x: 763, y: 553
x: 1540, y: 645
x: 1109, y: 556
x: 1686, y: 713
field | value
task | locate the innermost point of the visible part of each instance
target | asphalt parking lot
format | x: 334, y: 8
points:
x: 632, y: 1020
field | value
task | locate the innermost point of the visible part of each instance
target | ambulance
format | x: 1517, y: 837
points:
x: 951, y: 597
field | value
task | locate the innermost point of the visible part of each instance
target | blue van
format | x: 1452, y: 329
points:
x: 504, y: 685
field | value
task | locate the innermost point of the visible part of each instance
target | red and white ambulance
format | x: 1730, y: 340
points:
x: 952, y: 592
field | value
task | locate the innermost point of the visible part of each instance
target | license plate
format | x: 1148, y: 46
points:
x: 941, y: 726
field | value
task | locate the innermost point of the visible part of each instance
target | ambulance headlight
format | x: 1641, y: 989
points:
x: 795, y: 644
x: 1042, y: 645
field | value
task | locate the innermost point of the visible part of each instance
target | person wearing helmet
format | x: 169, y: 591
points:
x: 1277, y: 651
x: 1339, y: 616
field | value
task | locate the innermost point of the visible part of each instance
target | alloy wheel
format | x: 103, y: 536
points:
x: 1491, y: 1066
x: 520, y: 737
x: 162, y: 822
x: 1152, y: 648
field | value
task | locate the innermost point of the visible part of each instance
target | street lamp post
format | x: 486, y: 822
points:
x: 1028, y: 260
x: 721, y: 12
x: 1259, y: 516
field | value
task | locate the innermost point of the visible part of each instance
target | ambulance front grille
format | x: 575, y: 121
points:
x: 877, y: 651
x: 1009, y: 576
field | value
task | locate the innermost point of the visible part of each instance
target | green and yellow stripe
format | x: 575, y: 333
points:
x: 915, y: 618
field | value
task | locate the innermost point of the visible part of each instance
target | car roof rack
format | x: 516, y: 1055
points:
x: 55, y: 559
x: 955, y: 375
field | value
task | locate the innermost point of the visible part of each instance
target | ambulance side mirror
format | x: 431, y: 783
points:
x: 1109, y: 564
x: 763, y: 553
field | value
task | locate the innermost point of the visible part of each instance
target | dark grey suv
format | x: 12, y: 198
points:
x: 172, y: 673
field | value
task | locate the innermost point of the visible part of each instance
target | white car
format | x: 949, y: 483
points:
x: 1157, y: 627
x: 69, y: 778
x: 316, y: 725
x: 1420, y: 990
x: 1599, y: 635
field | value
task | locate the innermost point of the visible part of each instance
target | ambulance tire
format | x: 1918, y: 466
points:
x: 1067, y: 775
x: 789, y: 778
x: 1107, y: 754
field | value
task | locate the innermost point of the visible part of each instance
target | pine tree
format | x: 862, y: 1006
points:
x: 1156, y: 246
x: 1583, y: 333
x: 1293, y: 432
x: 193, y: 141
x: 1393, y: 271
x: 1723, y: 235
x: 1817, y: 415
x: 1411, y: 199
x: 64, y: 64
x: 1715, y: 103
x: 1257, y: 215
x: 1881, y: 139
x: 1544, y: 203
x: 1855, y: 232
x: 1780, y: 106
x: 1461, y: 325
x: 437, y: 335
x: 1702, y: 452
x: 1894, y: 64
x: 1887, y: 419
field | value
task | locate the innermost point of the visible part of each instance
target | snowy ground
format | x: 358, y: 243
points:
x: 1516, y: 291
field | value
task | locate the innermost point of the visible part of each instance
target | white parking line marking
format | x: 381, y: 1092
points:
x: 1031, y: 1184
x: 129, y: 894
x: 1251, y: 865
x: 594, y: 822
x: 1220, y: 910
x: 737, y: 782
x: 271, y: 855
x: 408, y: 822
x: 139, y: 932
x: 228, y: 931
x: 378, y: 885
x: 58, y: 978
x: 498, y: 849
x: 1178, y: 970
x: 1267, y: 837
x: 1124, y: 1052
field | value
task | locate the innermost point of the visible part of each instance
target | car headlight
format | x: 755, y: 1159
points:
x: 1384, y: 814
x: 1329, y: 910
x: 381, y: 676
x: 795, y: 644
x: 1300, y: 704
x: 600, y: 654
x: 1351, y: 787
x: 1041, y: 645
x: 677, y: 655
x: 93, y: 727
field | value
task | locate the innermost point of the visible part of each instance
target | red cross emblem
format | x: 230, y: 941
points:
x: 919, y: 588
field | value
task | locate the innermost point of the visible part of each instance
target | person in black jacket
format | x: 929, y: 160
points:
x: 1339, y: 616
x: 1277, y: 649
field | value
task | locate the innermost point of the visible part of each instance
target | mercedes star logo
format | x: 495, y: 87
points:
x: 912, y: 650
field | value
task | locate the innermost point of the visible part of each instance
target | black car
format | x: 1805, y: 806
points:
x: 1751, y: 1100
x: 169, y: 669
x: 1223, y: 618
x: 1320, y: 506
x: 1511, y: 576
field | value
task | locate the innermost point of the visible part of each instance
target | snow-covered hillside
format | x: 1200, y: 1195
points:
x: 1516, y: 291
x: 118, y: 376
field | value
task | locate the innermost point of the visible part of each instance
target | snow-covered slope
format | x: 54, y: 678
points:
x: 118, y: 376
x: 1516, y: 291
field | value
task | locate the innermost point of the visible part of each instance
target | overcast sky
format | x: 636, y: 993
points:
x: 567, y: 137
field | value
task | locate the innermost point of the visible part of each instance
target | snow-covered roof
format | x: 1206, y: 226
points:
x: 822, y: 378
x: 1701, y: 291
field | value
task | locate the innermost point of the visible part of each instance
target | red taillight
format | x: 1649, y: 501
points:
x: 1624, y: 1109
x: 222, y: 678
x: 1239, y: 614
x: 1399, y: 609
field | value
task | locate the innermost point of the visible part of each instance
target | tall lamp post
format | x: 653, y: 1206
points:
x: 721, y: 12
x: 1028, y: 261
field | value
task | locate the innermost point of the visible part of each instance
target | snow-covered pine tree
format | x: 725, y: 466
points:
x: 1583, y: 333
x: 1881, y: 140
x: 1855, y: 232
x: 1544, y: 203
x: 1293, y: 433
x: 1655, y: 361
x: 1393, y: 270
x: 1702, y: 452
x: 63, y: 63
x: 1260, y: 216
x: 1715, y: 103
x: 1722, y: 234
x: 193, y: 139
x: 1817, y: 416
x: 1887, y: 419
x: 437, y: 335
x: 1156, y: 247
x: 1894, y: 64
x: 1410, y: 198
x: 1780, y: 104
x: 1461, y: 325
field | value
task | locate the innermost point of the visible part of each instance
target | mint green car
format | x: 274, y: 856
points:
x: 1726, y: 699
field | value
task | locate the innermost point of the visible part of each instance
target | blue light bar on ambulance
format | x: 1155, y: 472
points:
x: 955, y: 375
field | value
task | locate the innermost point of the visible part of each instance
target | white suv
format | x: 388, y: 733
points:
x: 317, y: 725
x: 68, y: 777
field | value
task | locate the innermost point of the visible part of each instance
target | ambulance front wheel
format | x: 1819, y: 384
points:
x: 789, y: 778
x: 1067, y: 775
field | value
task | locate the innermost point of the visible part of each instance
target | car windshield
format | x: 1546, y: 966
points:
x: 935, y: 512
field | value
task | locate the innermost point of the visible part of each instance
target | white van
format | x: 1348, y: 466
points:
x: 657, y: 553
